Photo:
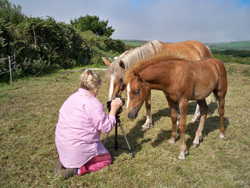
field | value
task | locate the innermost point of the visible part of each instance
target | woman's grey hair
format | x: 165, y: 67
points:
x: 90, y: 81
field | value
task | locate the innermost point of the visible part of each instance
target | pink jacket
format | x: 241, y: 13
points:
x: 81, y: 121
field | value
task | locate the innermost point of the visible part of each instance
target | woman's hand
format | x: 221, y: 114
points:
x: 115, y: 105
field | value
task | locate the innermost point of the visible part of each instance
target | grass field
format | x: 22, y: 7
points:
x: 29, y: 113
x: 244, y: 45
x: 135, y: 43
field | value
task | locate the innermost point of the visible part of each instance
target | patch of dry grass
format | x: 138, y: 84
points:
x: 29, y: 113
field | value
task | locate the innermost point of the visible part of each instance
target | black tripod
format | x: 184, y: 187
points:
x: 118, y: 123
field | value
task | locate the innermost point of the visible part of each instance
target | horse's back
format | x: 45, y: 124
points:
x: 213, y: 63
x: 192, y: 50
x: 204, y: 50
x: 204, y: 76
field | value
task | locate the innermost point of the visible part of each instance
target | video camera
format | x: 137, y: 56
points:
x: 120, y: 109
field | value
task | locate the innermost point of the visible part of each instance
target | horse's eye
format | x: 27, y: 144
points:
x: 121, y: 80
x: 136, y: 92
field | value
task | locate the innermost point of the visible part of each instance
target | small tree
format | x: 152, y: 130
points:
x: 99, y: 28
x: 10, y: 12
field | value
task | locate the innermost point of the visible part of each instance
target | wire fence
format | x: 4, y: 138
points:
x: 12, y: 65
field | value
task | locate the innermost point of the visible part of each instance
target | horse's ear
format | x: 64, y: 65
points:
x: 136, y: 74
x: 106, y: 61
x: 122, y: 65
x: 89, y: 72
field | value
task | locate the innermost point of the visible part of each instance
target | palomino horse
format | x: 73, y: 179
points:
x: 190, y: 50
x: 181, y: 81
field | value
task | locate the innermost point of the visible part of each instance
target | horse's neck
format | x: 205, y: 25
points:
x: 155, y: 79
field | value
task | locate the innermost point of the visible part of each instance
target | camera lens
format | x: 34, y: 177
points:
x: 123, y: 101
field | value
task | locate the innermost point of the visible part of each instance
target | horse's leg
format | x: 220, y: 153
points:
x: 196, y: 114
x: 220, y: 94
x: 174, y: 115
x: 221, y: 113
x: 183, y: 104
x: 148, y: 124
x: 203, y: 110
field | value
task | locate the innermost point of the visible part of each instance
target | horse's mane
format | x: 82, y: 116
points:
x: 134, y: 55
x: 151, y: 60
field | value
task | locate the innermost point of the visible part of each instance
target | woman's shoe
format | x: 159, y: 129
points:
x: 57, y: 167
x: 68, y: 172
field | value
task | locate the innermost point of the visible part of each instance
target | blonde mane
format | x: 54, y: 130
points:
x: 151, y: 60
x: 134, y: 55
x: 139, y: 53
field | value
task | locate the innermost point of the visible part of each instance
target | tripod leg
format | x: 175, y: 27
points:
x: 116, y: 140
x: 130, y: 150
x: 105, y: 139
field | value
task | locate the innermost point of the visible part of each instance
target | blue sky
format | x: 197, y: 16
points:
x: 244, y: 2
x: 208, y: 21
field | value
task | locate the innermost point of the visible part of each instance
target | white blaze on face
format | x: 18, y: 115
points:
x: 111, y: 87
x: 128, y: 90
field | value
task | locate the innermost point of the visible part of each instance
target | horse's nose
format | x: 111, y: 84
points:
x: 132, y: 115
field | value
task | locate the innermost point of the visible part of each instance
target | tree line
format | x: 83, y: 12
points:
x: 232, y: 56
x: 43, y: 45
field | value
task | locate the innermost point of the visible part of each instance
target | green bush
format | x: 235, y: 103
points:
x: 44, y: 45
x: 223, y: 58
x: 232, y: 59
x: 234, y: 53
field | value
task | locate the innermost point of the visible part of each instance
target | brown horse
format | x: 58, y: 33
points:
x: 189, y: 50
x: 181, y: 81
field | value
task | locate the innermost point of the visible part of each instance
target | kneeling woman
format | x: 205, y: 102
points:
x: 81, y: 120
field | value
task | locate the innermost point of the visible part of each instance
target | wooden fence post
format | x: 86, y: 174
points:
x: 10, y: 70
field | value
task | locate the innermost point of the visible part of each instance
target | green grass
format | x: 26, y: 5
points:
x: 134, y: 43
x: 241, y: 45
x: 29, y: 113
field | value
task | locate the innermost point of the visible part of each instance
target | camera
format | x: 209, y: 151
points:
x: 118, y: 123
x: 120, y: 109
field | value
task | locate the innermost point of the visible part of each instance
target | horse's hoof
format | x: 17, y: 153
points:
x: 146, y: 126
x: 195, y: 120
x: 181, y: 157
x: 222, y: 136
x: 171, y: 141
x: 195, y: 145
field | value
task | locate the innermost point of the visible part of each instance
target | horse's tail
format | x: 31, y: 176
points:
x: 221, y: 90
x: 209, y: 50
x: 215, y: 95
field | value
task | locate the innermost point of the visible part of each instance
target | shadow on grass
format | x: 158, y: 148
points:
x: 211, y: 124
x: 191, y: 109
x: 134, y: 134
